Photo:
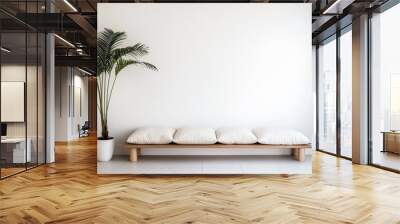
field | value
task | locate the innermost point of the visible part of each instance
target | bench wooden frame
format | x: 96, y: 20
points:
x: 298, y: 151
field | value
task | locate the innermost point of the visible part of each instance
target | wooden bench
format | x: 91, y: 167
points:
x: 298, y: 151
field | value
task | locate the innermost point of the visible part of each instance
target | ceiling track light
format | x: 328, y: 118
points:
x: 64, y: 40
x: 70, y: 5
x: 5, y: 50
x: 84, y: 71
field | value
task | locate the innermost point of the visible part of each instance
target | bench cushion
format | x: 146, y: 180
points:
x: 195, y: 136
x: 279, y: 136
x: 235, y: 136
x: 151, y: 136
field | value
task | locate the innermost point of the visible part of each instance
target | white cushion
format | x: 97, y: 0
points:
x: 151, y: 136
x: 195, y: 136
x: 235, y: 136
x: 279, y: 136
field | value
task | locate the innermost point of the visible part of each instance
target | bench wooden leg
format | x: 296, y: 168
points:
x: 299, y: 154
x: 135, y: 152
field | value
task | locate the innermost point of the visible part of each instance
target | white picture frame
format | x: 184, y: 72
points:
x: 12, y: 101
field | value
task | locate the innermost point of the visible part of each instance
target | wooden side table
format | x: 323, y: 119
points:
x: 391, y: 141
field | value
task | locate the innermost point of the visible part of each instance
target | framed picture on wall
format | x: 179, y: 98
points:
x: 12, y: 101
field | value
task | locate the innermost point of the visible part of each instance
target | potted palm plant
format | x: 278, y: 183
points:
x: 112, y: 58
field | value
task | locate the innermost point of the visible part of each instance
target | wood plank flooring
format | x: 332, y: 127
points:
x: 10, y: 171
x: 70, y: 191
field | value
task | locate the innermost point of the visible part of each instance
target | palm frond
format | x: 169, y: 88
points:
x: 135, y: 51
x: 147, y: 65
x: 107, y: 42
x: 112, y: 39
x: 123, y: 63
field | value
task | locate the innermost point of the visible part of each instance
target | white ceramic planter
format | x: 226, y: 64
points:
x: 105, y: 150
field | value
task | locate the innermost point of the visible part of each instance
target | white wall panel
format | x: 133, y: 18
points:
x: 219, y: 65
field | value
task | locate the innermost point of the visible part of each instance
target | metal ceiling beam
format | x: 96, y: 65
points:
x: 91, y: 5
x: 81, y: 61
x: 15, y: 18
x: 381, y: 7
x: 86, y: 26
x: 49, y: 22
x: 331, y: 30
x: 317, y: 25
x: 336, y: 16
x: 337, y: 7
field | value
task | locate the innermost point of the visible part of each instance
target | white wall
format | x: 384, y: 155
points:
x: 219, y: 65
x: 19, y: 73
x: 61, y: 103
x: 81, y: 108
x: 68, y: 81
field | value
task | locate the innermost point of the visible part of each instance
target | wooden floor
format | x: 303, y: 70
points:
x: 70, y: 191
x: 5, y: 172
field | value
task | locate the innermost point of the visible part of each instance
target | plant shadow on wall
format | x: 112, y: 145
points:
x: 111, y: 60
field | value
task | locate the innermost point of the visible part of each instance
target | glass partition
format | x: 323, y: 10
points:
x: 327, y: 96
x: 346, y: 94
x: 32, y: 96
x: 335, y: 94
x: 22, y: 77
x: 14, y: 153
x: 385, y: 89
